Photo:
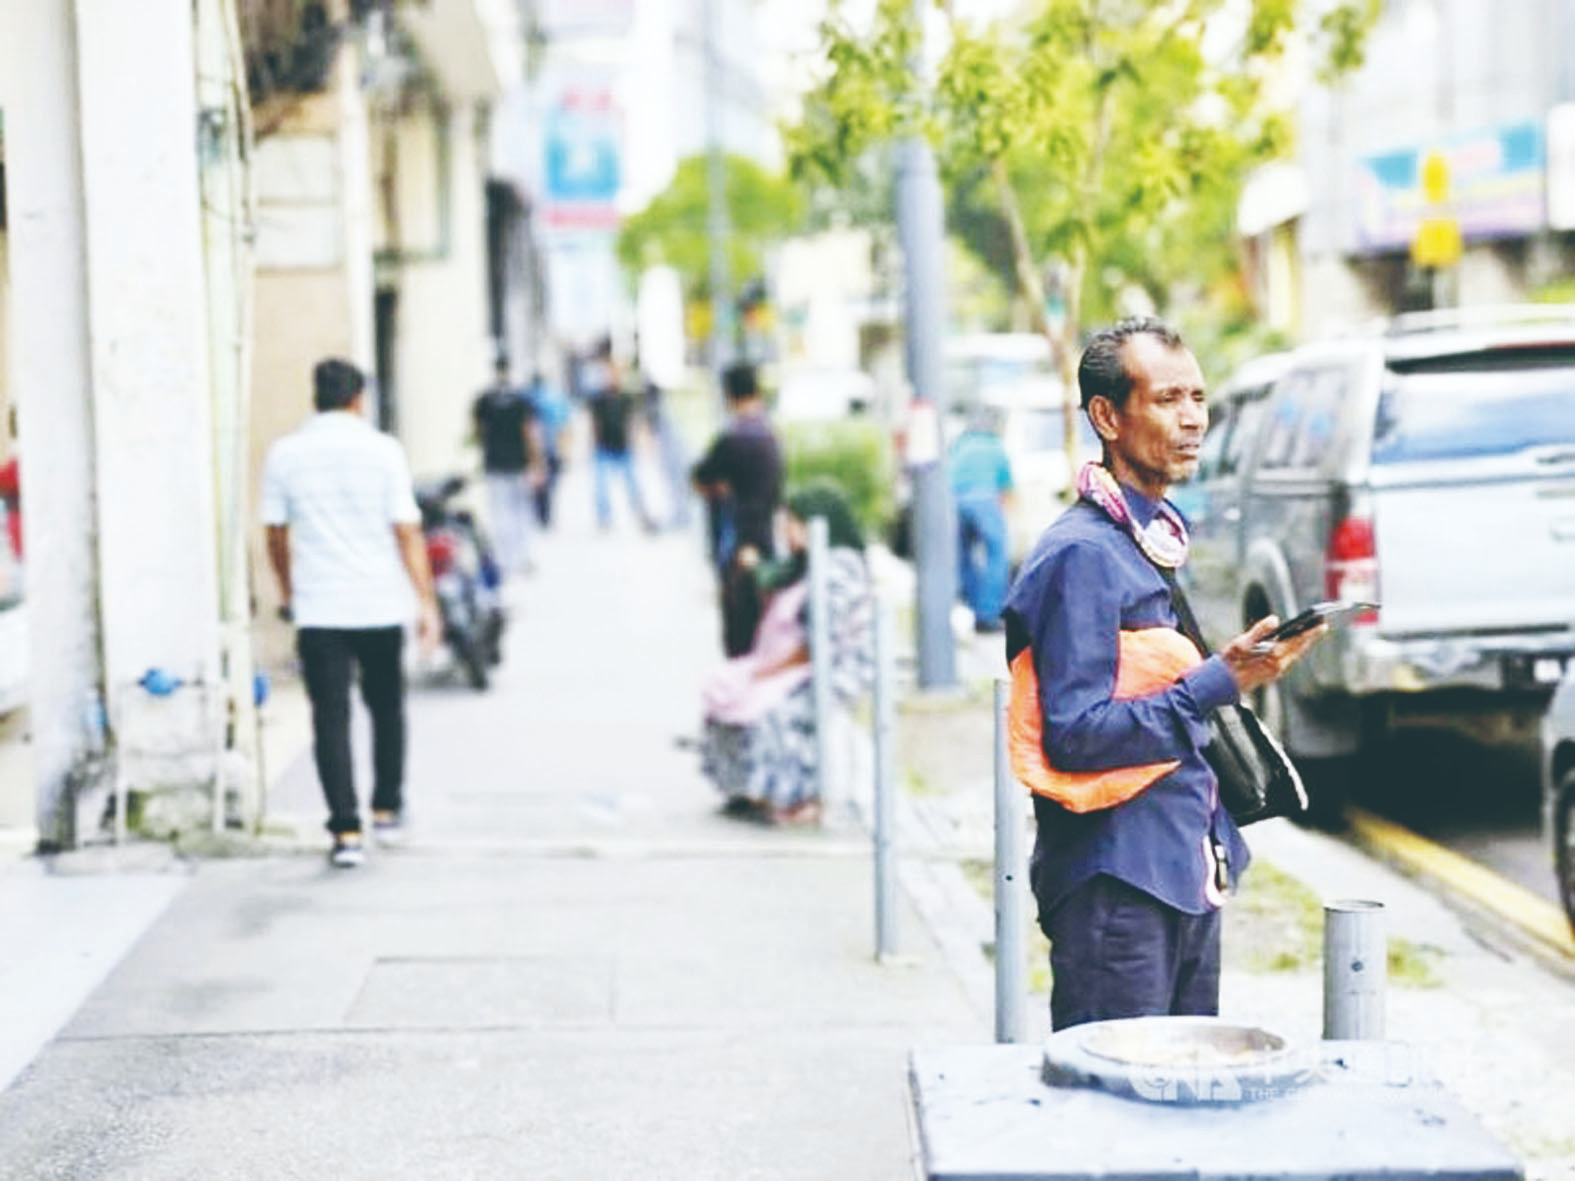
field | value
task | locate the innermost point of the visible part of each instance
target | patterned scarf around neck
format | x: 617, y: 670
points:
x: 1164, y: 542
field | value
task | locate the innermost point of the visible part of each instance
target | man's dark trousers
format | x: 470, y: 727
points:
x: 328, y: 660
x: 1118, y: 952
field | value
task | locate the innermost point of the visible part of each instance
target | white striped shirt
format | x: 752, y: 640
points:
x: 341, y: 486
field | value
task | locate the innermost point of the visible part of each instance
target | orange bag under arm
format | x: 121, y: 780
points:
x: 1148, y: 661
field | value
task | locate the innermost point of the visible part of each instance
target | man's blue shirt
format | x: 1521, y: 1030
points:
x: 1083, y: 583
x: 978, y: 466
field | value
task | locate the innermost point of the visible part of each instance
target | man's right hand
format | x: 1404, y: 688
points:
x: 429, y: 628
x: 1254, y: 669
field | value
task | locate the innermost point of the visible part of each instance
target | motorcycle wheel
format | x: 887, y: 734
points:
x: 473, y: 660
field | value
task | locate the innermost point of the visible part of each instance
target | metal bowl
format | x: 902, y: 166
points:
x: 1178, y: 1060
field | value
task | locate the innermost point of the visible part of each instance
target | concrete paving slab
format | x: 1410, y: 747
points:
x: 779, y: 1104
x: 62, y: 935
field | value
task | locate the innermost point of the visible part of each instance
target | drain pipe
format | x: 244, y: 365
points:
x: 1355, y: 970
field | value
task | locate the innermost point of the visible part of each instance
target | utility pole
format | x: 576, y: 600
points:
x: 716, y: 203
x: 921, y: 227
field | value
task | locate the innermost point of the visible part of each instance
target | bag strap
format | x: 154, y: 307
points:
x: 1189, y: 621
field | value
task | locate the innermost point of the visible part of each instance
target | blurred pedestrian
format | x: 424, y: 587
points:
x: 552, y: 416
x: 344, y: 540
x: 741, y: 478
x: 669, y: 450
x: 513, y: 461
x: 759, y: 745
x: 981, y: 480
x: 1110, y: 706
x: 612, y: 431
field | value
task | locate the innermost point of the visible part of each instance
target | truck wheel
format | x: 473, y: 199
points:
x: 1564, y: 843
x: 1329, y: 783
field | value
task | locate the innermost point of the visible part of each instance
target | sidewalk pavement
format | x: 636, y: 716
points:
x: 577, y: 969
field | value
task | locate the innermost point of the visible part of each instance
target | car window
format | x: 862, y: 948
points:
x: 1320, y: 416
x: 1303, y: 414
x: 1476, y: 412
x: 1244, y: 432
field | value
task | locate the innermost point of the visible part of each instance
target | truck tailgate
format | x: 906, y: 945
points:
x: 1479, y: 545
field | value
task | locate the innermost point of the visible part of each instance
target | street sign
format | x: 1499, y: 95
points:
x: 561, y: 18
x: 582, y: 155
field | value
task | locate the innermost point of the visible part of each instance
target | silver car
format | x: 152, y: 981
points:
x: 1428, y: 467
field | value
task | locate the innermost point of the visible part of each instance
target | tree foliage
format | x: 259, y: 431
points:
x: 1112, y: 136
x: 762, y: 209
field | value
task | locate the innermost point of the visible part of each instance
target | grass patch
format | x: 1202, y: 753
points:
x: 1412, y: 965
x: 1274, y: 923
x: 915, y: 782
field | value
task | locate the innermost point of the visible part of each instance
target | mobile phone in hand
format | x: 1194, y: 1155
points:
x: 1333, y: 612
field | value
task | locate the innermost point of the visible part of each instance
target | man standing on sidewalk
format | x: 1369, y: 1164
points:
x: 513, y: 458
x: 344, y: 540
x: 1111, y: 703
x: 981, y: 479
x: 741, y: 478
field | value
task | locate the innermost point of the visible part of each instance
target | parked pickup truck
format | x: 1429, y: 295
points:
x: 1428, y: 467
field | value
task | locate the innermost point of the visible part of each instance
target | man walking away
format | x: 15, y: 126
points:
x: 344, y: 540
x: 513, y: 460
x: 669, y: 449
x: 981, y: 479
x: 612, y: 413
x: 741, y: 476
x: 1135, y: 854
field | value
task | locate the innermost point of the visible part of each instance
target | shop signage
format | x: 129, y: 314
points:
x: 1496, y: 188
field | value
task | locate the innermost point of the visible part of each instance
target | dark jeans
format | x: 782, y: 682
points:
x: 327, y: 659
x: 1118, y: 952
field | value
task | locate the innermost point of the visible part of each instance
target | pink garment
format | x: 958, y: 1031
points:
x: 736, y: 694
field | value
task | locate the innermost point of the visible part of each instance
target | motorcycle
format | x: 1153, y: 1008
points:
x: 466, y: 578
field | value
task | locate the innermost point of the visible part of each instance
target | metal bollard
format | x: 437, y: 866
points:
x: 820, y: 659
x: 885, y: 708
x: 1355, y: 970
x: 1011, y: 914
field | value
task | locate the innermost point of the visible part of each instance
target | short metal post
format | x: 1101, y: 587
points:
x: 885, y: 709
x: 1355, y: 970
x: 820, y: 658
x: 1011, y: 916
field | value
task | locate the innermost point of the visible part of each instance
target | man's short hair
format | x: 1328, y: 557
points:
x: 1102, y: 372
x: 335, y: 384
x: 740, y: 382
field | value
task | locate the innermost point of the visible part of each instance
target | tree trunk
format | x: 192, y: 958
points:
x: 1063, y: 341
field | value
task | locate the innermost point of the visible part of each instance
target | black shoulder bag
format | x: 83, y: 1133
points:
x: 1257, y: 778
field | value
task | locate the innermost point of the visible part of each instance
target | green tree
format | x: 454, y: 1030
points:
x: 761, y: 208
x: 1113, y: 135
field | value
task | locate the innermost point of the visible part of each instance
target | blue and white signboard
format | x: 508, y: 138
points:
x: 582, y: 147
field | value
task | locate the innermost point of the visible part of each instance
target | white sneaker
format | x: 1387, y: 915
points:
x: 347, y: 852
x: 388, y: 828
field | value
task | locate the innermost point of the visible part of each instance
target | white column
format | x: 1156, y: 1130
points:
x: 50, y: 374
x: 147, y: 313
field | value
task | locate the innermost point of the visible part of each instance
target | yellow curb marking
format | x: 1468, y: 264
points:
x: 1502, y: 897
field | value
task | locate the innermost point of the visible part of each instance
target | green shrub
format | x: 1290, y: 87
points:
x: 856, y: 454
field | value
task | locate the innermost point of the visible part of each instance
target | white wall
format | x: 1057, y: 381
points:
x: 51, y: 377
x: 444, y: 350
x: 152, y: 413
